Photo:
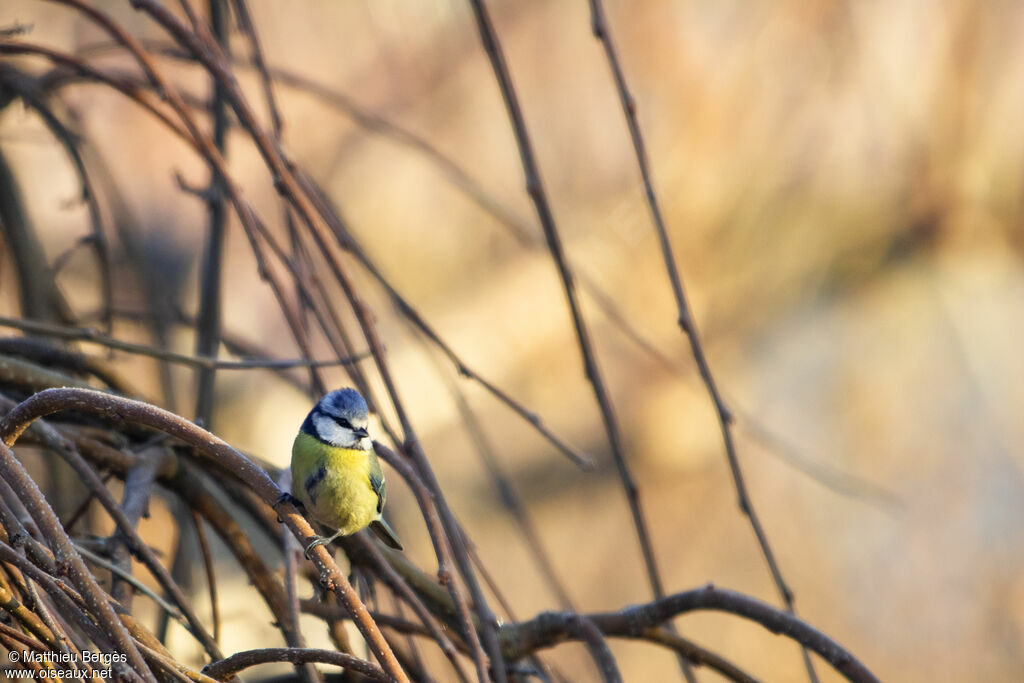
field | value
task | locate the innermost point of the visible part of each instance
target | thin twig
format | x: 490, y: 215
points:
x: 697, y: 655
x: 95, y: 337
x: 599, y: 26
x: 346, y: 241
x: 26, y: 88
x: 211, y: 576
x: 549, y: 628
x: 53, y: 400
x: 126, y: 577
x: 68, y: 560
x: 441, y: 539
x: 506, y: 491
x: 208, y: 320
x: 249, y: 658
x: 535, y: 188
x: 65, y: 448
x: 289, y: 549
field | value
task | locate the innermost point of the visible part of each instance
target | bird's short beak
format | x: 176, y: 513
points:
x: 361, y: 432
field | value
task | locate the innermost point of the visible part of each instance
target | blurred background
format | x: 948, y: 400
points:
x: 843, y: 186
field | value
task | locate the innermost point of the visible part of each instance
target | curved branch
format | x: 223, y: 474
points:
x: 549, y: 628
x: 114, y: 407
x: 68, y: 560
x: 582, y: 628
x: 695, y: 654
x: 243, y: 660
x: 207, y: 362
x: 591, y: 368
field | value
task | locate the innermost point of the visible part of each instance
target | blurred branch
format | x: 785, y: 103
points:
x: 211, y: 576
x: 442, y: 540
x: 551, y: 628
x: 95, y: 337
x: 599, y: 26
x: 49, y: 355
x: 695, y: 654
x: 249, y: 658
x: 27, y: 89
x: 39, y: 296
x: 833, y: 478
x: 15, y: 29
x: 535, y: 188
x: 208, y: 320
x: 346, y: 241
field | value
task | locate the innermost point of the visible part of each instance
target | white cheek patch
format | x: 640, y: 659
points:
x: 333, y: 433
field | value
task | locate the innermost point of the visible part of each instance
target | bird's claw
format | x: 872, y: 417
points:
x: 288, y: 498
x: 319, y: 540
x: 291, y: 500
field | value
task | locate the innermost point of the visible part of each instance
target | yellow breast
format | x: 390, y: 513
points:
x: 333, y: 483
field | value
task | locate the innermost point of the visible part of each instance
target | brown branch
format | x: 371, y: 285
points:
x: 211, y: 576
x: 208, y: 362
x: 599, y: 26
x: 27, y: 89
x: 67, y: 558
x: 442, y: 540
x: 550, y: 628
x: 249, y: 658
x: 138, y: 484
x: 404, y: 591
x: 535, y: 188
x: 582, y: 628
x: 696, y: 655
x: 49, y: 355
x: 23, y: 373
x: 245, y: 23
x: 130, y: 87
x: 205, y: 443
x: 346, y: 241
x: 73, y: 605
x: 126, y: 528
x: 208, y: 319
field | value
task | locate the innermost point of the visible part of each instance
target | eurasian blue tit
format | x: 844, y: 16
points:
x: 335, y: 472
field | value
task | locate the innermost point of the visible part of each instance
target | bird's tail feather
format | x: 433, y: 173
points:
x: 384, y: 533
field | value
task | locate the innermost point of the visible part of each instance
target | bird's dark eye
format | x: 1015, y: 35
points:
x: 342, y: 422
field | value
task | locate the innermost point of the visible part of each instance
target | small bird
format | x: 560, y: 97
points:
x: 335, y: 472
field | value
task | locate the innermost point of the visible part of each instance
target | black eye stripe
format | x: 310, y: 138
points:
x: 340, y: 421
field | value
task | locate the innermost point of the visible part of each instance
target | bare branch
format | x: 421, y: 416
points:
x: 550, y: 628
x: 95, y: 337
x: 249, y: 658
